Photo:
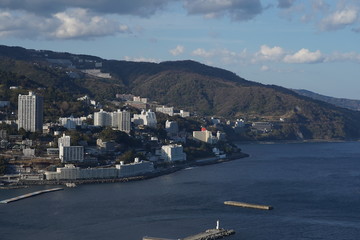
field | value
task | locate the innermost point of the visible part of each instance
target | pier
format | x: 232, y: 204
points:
x: 30, y: 195
x: 210, y: 234
x: 248, y: 205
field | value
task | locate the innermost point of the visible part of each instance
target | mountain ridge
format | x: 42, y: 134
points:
x: 189, y: 85
x: 351, y: 104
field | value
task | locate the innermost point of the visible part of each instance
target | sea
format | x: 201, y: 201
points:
x: 314, y: 189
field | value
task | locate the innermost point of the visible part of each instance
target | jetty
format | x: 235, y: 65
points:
x: 210, y: 234
x: 32, y: 194
x: 248, y: 205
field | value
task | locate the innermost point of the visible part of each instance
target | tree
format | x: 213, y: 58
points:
x: 127, y: 157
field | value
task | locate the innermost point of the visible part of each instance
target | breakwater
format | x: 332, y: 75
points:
x: 248, y: 205
x: 210, y: 234
x: 32, y: 194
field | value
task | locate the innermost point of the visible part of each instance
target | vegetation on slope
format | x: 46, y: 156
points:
x: 187, y: 85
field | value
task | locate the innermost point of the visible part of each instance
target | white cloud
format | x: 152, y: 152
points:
x: 304, y: 56
x: 339, y: 56
x: 78, y: 23
x: 266, y: 56
x: 224, y: 55
x: 200, y: 52
x: 140, y: 59
x: 74, y: 23
x: 24, y: 25
x: 177, y: 50
x: 264, y: 68
x: 339, y: 19
x: 267, y: 53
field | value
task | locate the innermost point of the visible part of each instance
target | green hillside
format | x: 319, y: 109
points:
x: 189, y: 85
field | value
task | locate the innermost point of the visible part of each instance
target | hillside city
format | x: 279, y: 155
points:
x: 137, y: 139
x: 65, y: 117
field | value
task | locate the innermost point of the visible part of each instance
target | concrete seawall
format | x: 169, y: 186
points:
x: 248, y: 205
x: 28, y: 195
x: 175, y: 168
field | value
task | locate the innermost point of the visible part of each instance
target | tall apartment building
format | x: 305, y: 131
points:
x: 102, y: 118
x: 68, y: 153
x: 119, y: 119
x: 30, y: 112
x: 64, y: 141
x: 71, y: 153
x: 123, y: 121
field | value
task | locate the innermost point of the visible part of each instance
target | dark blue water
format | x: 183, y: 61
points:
x: 314, y: 188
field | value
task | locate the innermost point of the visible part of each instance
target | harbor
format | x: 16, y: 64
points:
x: 28, y: 195
x: 248, y: 205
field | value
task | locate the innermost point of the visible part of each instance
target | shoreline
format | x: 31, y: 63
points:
x: 162, y: 172
x: 295, y: 141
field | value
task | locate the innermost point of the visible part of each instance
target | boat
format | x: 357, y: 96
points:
x: 68, y: 184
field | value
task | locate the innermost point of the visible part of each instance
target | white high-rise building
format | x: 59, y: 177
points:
x: 71, y: 153
x: 121, y: 120
x: 30, y: 112
x: 68, y: 153
x: 102, y: 119
x: 124, y: 121
x: 173, y: 153
x: 64, y: 141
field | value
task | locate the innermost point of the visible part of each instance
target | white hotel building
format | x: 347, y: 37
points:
x: 68, y: 153
x: 119, y: 119
x: 30, y: 112
x: 70, y: 172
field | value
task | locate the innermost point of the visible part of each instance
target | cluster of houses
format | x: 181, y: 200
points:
x: 30, y: 118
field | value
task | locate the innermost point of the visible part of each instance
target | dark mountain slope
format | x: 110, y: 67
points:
x: 340, y: 102
x: 188, y: 85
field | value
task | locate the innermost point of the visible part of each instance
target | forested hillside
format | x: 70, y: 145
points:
x: 204, y: 90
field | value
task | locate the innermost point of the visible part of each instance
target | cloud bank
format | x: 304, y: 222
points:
x: 276, y: 54
x: 84, y: 19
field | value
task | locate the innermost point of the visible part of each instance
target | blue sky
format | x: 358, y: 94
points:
x: 302, y: 44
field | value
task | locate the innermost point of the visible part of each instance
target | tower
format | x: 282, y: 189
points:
x: 30, y: 112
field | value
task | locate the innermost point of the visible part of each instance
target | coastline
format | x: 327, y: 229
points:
x: 160, y: 172
x: 296, y: 141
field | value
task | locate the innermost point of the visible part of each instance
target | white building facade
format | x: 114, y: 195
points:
x: 166, y: 110
x: 121, y: 120
x: 64, y: 141
x: 70, y: 172
x: 102, y: 118
x: 205, y: 136
x: 173, y: 153
x: 70, y: 122
x: 71, y: 153
x: 146, y: 118
x: 30, y: 112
